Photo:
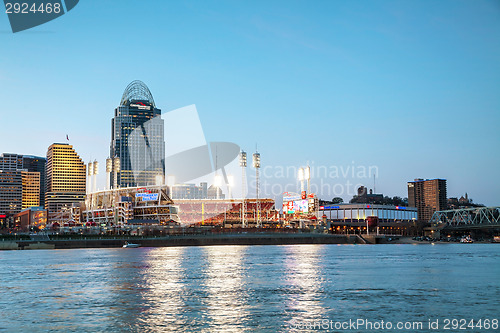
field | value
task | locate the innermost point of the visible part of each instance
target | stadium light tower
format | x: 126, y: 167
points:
x: 116, y: 170
x: 90, y: 173
x: 96, y: 172
x: 301, y: 178
x: 109, y: 168
x: 256, y: 165
x: 307, y: 176
x: 243, y: 165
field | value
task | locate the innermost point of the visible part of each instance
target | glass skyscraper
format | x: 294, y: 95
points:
x: 137, y: 138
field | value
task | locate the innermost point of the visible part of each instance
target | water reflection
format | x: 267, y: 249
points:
x: 303, y: 278
x: 227, y: 300
x: 163, y: 278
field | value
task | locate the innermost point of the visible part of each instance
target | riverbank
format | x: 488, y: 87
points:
x: 210, y: 239
x: 190, y: 240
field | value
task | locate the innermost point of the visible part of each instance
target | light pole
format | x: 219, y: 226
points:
x: 301, y: 179
x: 243, y: 165
x: 256, y: 165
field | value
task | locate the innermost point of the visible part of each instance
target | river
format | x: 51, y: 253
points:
x: 252, y: 288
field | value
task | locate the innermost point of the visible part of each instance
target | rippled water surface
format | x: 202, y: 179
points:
x: 245, y: 288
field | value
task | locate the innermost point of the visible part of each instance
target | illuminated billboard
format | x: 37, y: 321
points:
x: 296, y: 206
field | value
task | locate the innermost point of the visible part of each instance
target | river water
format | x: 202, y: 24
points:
x: 251, y: 288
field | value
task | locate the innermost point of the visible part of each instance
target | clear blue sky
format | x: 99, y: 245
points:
x: 412, y: 87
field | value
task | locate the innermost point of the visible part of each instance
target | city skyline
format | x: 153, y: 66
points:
x: 420, y: 105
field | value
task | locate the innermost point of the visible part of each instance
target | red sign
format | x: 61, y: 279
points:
x: 303, y: 195
x: 3, y: 216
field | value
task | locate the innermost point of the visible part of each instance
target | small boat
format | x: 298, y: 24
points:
x: 131, y: 245
x: 466, y: 239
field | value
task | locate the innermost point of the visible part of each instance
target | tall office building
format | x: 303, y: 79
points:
x: 428, y: 196
x: 31, y: 189
x: 13, y: 162
x: 23, y: 182
x: 37, y: 164
x: 137, y: 138
x: 66, y: 178
x: 11, y: 192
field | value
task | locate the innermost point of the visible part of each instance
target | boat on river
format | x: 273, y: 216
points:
x: 131, y: 245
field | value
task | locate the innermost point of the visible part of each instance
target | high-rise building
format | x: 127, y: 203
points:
x: 37, y: 164
x: 137, y: 138
x: 66, y: 178
x: 14, y: 162
x: 11, y: 192
x: 428, y: 196
x: 31, y: 189
x: 11, y: 162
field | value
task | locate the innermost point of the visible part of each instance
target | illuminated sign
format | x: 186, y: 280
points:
x: 3, y: 216
x: 141, y: 106
x: 331, y: 207
x: 147, y: 196
x: 296, y: 206
x: 290, y: 196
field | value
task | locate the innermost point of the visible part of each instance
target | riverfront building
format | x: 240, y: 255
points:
x: 66, y: 179
x: 28, y: 163
x: 137, y: 139
x: 37, y: 164
x: 11, y: 192
x: 30, y: 189
x: 427, y: 196
x: 354, y: 218
x: 30, y: 218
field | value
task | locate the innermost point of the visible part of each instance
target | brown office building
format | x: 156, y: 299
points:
x: 428, y: 196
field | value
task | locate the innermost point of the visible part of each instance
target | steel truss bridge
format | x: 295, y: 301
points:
x: 467, y: 218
